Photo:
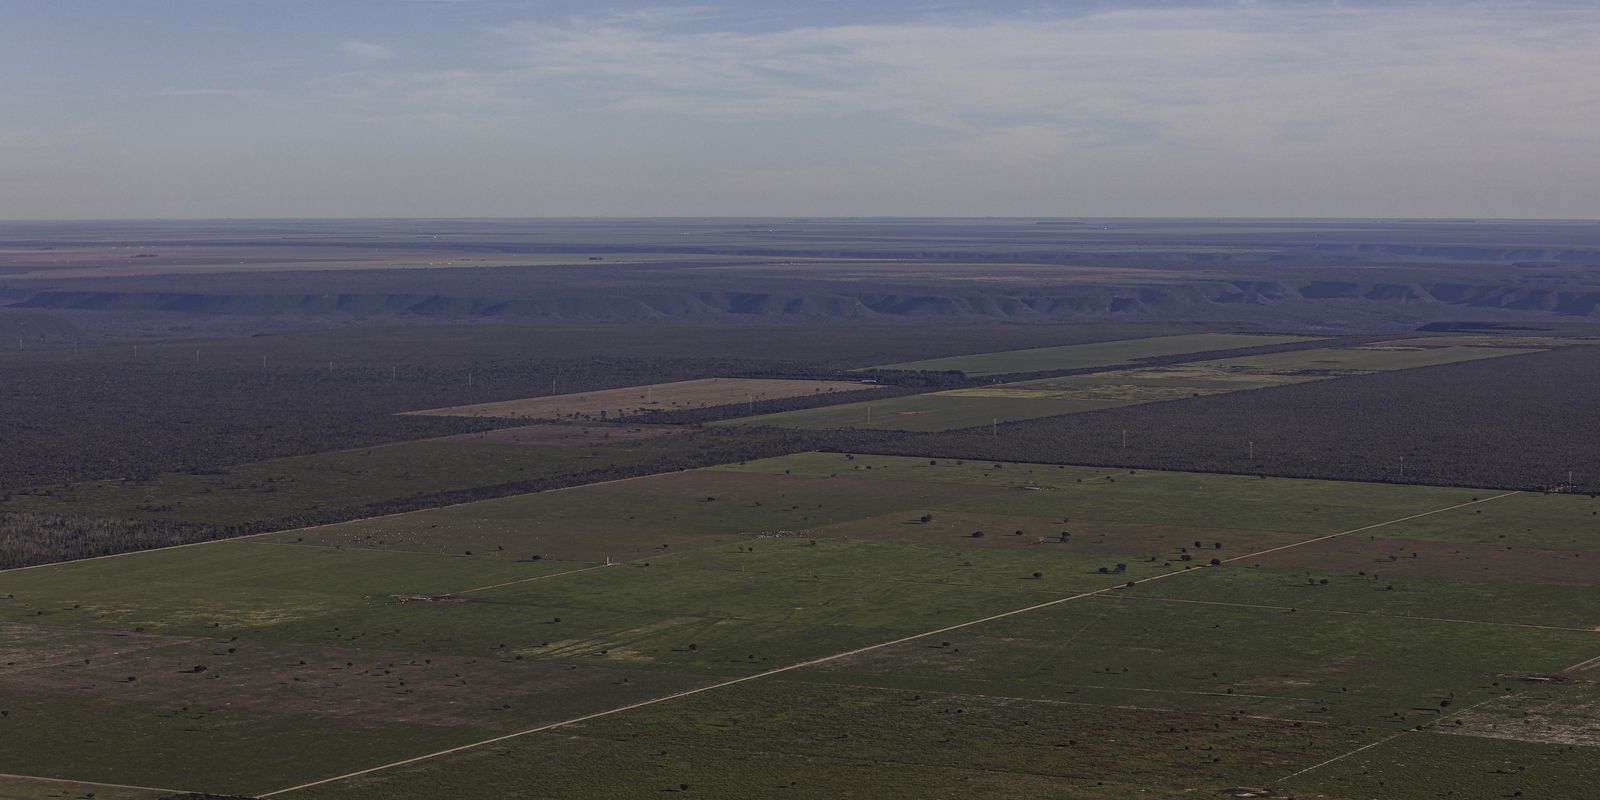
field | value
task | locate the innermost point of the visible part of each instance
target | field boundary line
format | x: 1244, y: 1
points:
x: 249, y: 536
x: 535, y: 578
x: 1373, y: 614
x: 1582, y: 665
x: 1280, y: 548
x: 43, y: 779
x: 1386, y: 740
x: 835, y: 657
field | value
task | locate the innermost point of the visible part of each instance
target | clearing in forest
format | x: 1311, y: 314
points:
x: 635, y: 400
x: 1096, y: 354
x: 1015, y: 630
x: 1048, y: 397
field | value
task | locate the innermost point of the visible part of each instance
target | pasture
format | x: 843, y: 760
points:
x: 1097, y: 354
x: 635, y: 400
x: 791, y: 626
x: 1033, y: 399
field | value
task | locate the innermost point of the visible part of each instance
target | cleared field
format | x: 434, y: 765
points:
x: 1047, y: 397
x: 634, y: 400
x: 818, y: 624
x: 1101, y: 354
x: 1433, y: 765
x: 791, y: 739
x: 565, y: 435
x: 1349, y: 670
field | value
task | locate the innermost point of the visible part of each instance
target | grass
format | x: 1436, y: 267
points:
x: 1548, y: 521
x: 1215, y: 676
x: 634, y: 518
x: 723, y: 611
x: 1023, y: 400
x: 1101, y: 354
x: 1428, y: 765
x: 1342, y: 670
x: 226, y: 587
x: 787, y: 739
x: 100, y: 738
x: 939, y: 411
x: 20, y: 788
x: 1385, y: 595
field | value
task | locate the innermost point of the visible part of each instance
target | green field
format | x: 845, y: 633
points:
x: 1047, y: 397
x: 852, y: 626
x: 1100, y: 354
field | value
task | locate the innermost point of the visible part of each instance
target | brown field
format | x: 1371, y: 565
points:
x: 565, y: 435
x: 677, y: 396
x: 1454, y: 560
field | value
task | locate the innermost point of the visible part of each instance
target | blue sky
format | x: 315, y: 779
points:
x: 285, y: 108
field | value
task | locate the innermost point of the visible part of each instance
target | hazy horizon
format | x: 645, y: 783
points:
x: 460, y: 109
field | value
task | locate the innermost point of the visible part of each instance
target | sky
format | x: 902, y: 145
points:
x: 558, y: 108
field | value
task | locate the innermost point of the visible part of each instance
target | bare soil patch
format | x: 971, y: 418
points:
x: 29, y: 647
x: 1552, y: 714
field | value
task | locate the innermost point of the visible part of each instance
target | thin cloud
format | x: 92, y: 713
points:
x: 367, y: 50
x: 1265, y: 70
